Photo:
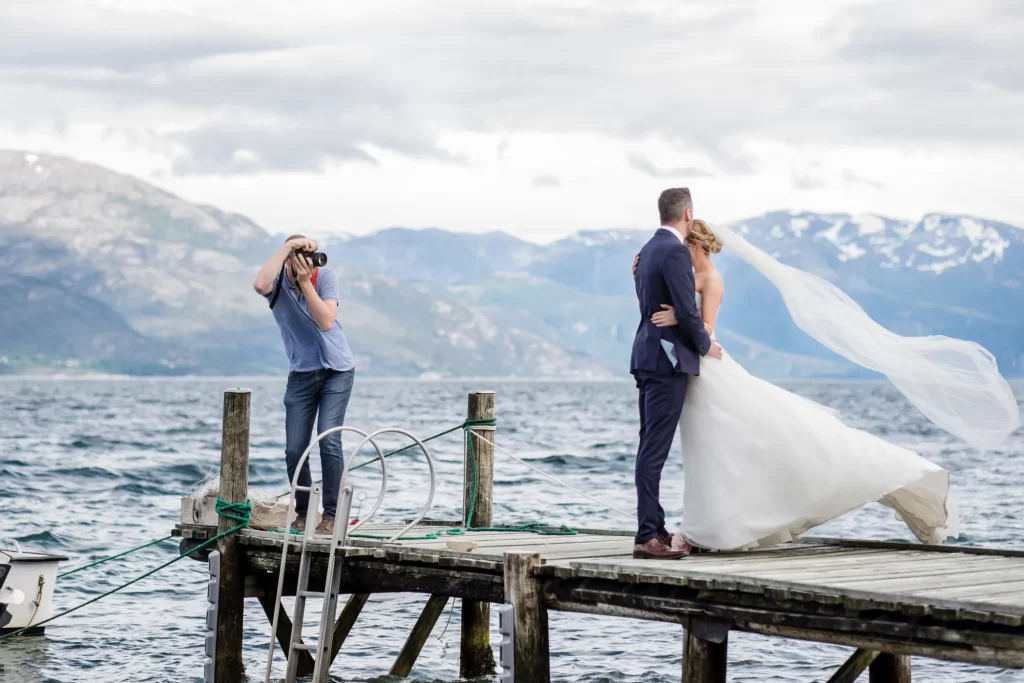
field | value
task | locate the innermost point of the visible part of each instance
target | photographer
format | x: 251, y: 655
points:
x: 304, y: 300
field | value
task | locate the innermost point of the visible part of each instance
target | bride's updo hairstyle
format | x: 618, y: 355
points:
x: 701, y: 235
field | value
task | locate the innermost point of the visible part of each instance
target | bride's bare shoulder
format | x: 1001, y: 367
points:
x: 713, y: 282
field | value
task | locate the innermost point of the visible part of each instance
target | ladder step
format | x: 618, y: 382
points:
x: 304, y: 646
x: 303, y: 488
x: 310, y: 594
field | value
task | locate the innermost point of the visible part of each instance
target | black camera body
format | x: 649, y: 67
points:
x: 318, y: 258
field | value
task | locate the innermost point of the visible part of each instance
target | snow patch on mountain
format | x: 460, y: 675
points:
x: 935, y: 244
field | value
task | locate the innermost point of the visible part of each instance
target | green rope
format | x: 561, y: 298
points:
x: 113, y: 557
x: 412, y: 445
x: 239, y: 512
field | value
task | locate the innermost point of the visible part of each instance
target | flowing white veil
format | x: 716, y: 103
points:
x: 955, y: 383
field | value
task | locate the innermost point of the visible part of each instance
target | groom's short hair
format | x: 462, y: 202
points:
x: 673, y: 203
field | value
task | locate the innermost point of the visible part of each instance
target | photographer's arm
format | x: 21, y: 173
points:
x: 324, y: 310
x: 264, y: 282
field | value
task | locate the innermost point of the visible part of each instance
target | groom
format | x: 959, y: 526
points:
x: 663, y: 358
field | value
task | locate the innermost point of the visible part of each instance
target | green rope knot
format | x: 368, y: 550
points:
x: 239, y: 512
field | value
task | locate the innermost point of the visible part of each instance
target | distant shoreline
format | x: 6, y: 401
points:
x: 419, y: 380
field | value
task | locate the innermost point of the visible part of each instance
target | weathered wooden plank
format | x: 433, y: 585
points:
x: 855, y: 599
x: 939, y: 564
x: 418, y: 636
x: 960, y: 584
x: 966, y: 654
x: 886, y: 625
x: 895, y: 545
x: 976, y: 594
x: 875, y: 558
x: 838, y: 580
x: 877, y: 561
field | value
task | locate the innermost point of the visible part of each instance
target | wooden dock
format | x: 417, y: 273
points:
x: 891, y: 601
x: 958, y: 604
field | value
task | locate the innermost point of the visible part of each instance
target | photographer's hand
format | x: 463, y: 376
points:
x: 301, y: 244
x: 302, y: 267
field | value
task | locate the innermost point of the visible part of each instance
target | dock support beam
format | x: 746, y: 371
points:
x: 853, y: 667
x: 234, y: 488
x: 530, y: 618
x: 420, y: 632
x: 705, y: 649
x: 476, y: 659
x: 889, y: 668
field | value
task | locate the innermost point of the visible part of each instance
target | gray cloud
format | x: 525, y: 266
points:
x: 546, y: 180
x: 808, y: 180
x: 643, y: 164
x: 854, y: 179
x: 306, y: 94
x: 815, y: 176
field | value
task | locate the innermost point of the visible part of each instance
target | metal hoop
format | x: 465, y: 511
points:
x: 430, y: 465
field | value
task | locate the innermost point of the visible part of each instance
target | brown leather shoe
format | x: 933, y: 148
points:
x: 654, y: 549
x: 665, y: 538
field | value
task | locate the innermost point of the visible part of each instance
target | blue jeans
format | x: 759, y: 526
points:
x: 326, y: 392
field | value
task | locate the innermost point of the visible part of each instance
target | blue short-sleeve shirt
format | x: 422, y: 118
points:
x: 308, y: 347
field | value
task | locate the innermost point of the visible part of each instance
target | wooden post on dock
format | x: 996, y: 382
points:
x: 522, y: 591
x: 475, y: 656
x: 234, y: 488
x: 705, y: 648
x: 889, y: 668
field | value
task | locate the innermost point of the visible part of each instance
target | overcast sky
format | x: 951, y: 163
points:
x: 537, y: 118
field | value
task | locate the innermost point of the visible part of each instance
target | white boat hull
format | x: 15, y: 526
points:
x: 27, y: 593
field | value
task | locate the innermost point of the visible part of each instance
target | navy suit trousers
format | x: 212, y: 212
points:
x: 661, y: 404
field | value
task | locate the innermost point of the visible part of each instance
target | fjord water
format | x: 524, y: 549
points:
x: 89, y: 467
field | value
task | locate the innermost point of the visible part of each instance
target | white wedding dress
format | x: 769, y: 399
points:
x: 762, y: 465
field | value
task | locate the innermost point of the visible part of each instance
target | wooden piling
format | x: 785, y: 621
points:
x: 890, y: 668
x: 234, y: 488
x: 522, y: 591
x: 476, y: 659
x: 419, y: 634
x: 704, y: 659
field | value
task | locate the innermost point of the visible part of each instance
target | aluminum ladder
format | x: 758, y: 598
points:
x: 339, y: 539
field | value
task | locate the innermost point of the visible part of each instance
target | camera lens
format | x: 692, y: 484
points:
x: 319, y: 259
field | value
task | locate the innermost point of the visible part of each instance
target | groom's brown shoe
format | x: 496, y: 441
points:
x: 654, y: 549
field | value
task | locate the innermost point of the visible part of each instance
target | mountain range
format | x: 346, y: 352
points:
x: 104, y: 272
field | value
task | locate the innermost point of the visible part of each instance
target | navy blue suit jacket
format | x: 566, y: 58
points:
x: 665, y: 276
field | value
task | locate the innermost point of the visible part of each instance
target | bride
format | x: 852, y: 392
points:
x: 763, y: 464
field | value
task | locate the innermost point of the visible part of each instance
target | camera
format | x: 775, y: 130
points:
x: 318, y: 258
